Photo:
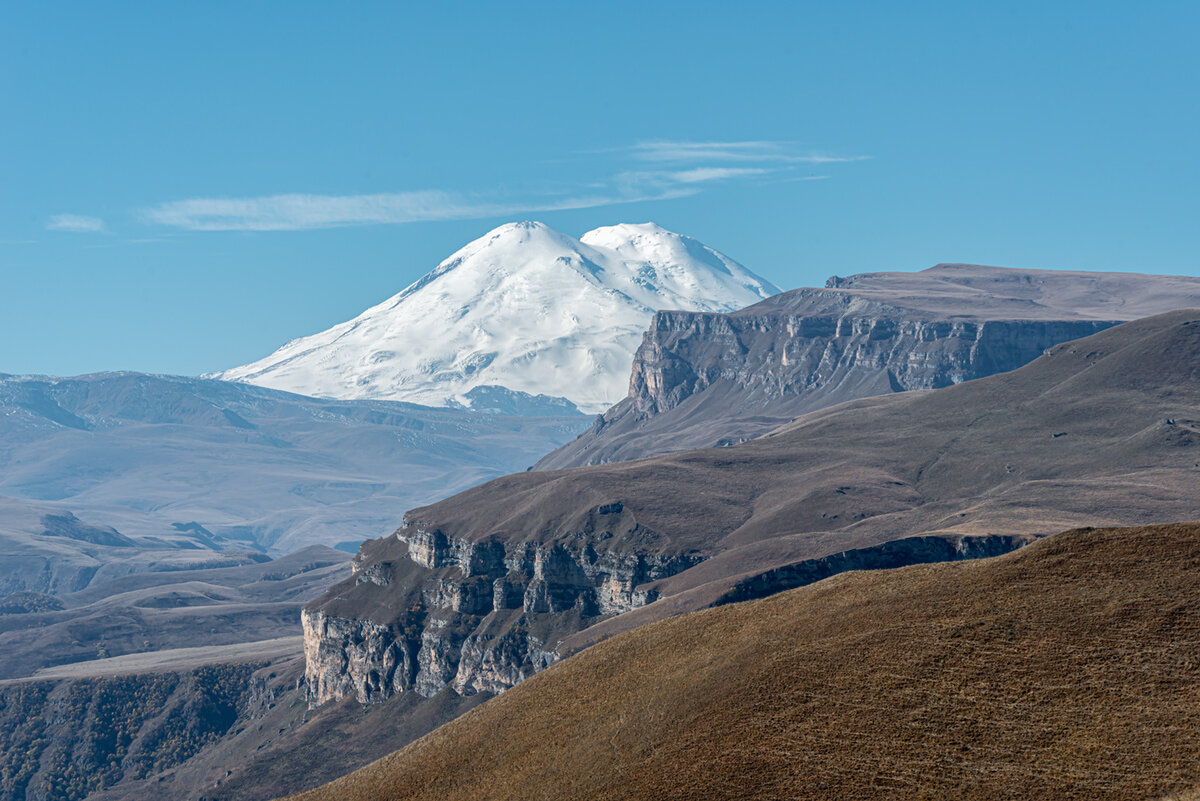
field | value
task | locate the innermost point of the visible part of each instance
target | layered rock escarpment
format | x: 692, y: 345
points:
x: 481, y: 617
x: 476, y: 616
x: 479, y: 591
x: 1075, y: 655
x: 705, y: 380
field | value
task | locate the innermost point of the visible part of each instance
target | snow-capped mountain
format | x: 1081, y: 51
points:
x: 523, y: 307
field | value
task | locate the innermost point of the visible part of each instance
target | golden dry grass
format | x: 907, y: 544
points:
x: 1069, y: 669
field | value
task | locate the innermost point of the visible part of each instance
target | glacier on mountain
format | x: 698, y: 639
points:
x: 524, y: 307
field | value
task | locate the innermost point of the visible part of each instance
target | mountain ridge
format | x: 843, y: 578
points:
x: 266, y: 468
x: 702, y: 379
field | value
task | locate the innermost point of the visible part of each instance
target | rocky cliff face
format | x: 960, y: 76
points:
x: 482, y: 617
x: 476, y: 617
x: 704, y: 380
x: 477, y: 592
x: 836, y: 356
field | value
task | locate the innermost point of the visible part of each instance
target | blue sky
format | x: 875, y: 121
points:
x: 184, y: 187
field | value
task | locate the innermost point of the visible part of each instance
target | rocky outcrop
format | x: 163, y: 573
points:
x: 836, y: 357
x: 445, y: 611
x: 481, y: 590
x: 482, y: 617
x: 705, y: 380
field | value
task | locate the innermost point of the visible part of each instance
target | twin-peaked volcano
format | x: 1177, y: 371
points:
x: 524, y: 307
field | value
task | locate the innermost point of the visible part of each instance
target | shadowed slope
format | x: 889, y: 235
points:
x: 1067, y: 669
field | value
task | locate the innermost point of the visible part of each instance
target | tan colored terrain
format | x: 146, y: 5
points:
x: 171, y: 659
x: 1067, y: 669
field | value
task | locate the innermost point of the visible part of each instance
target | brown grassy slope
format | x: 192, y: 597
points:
x: 1068, y: 669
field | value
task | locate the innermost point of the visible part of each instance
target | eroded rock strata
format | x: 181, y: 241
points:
x: 483, y: 617
x: 838, y: 353
x: 703, y: 380
x: 444, y: 611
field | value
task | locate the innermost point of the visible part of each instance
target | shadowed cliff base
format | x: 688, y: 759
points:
x: 1066, y: 669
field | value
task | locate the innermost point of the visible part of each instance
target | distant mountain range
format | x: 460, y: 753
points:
x: 523, y: 307
x: 174, y: 462
x: 147, y: 518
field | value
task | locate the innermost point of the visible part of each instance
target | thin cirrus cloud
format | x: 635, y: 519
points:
x: 700, y: 175
x: 747, y: 151
x: 303, y: 212
x: 666, y: 170
x: 75, y: 223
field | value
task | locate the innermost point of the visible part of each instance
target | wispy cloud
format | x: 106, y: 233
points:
x: 747, y: 151
x: 77, y: 223
x: 664, y: 170
x: 681, y: 182
x: 300, y: 212
x: 700, y: 175
x: 794, y: 178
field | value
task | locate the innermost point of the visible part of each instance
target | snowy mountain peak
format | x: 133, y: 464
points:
x: 519, y: 233
x: 622, y: 235
x: 524, y: 307
x: 664, y: 262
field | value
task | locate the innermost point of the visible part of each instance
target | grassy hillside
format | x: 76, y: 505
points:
x: 1067, y: 669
